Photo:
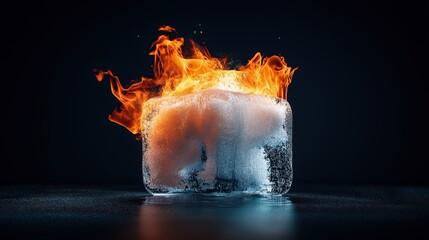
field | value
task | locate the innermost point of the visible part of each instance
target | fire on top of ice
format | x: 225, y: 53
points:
x: 177, y: 74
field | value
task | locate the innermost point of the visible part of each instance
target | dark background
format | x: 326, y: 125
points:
x: 359, y: 98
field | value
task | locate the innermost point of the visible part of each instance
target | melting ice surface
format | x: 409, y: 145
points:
x: 217, y: 141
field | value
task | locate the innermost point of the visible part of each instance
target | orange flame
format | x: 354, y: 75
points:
x: 177, y: 75
x: 167, y: 29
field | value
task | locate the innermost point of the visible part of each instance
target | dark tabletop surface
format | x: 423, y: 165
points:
x: 128, y: 212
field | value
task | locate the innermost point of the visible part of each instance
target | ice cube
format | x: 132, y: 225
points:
x: 217, y: 141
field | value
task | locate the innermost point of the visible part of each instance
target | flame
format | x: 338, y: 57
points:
x: 177, y: 75
x: 167, y: 29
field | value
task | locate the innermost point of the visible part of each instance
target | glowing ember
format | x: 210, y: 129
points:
x: 177, y: 75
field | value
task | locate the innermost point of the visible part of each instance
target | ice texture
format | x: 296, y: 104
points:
x: 217, y: 141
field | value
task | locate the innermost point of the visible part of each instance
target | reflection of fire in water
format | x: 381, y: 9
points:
x: 206, y: 128
x: 181, y: 71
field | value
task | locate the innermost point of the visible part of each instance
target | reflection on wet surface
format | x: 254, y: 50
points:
x: 216, y: 217
x: 129, y: 213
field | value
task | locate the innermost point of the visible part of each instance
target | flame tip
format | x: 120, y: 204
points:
x: 167, y: 28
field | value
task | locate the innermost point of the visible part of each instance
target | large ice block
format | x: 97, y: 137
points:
x: 217, y: 141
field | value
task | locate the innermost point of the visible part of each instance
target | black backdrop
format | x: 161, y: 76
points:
x: 358, y: 97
